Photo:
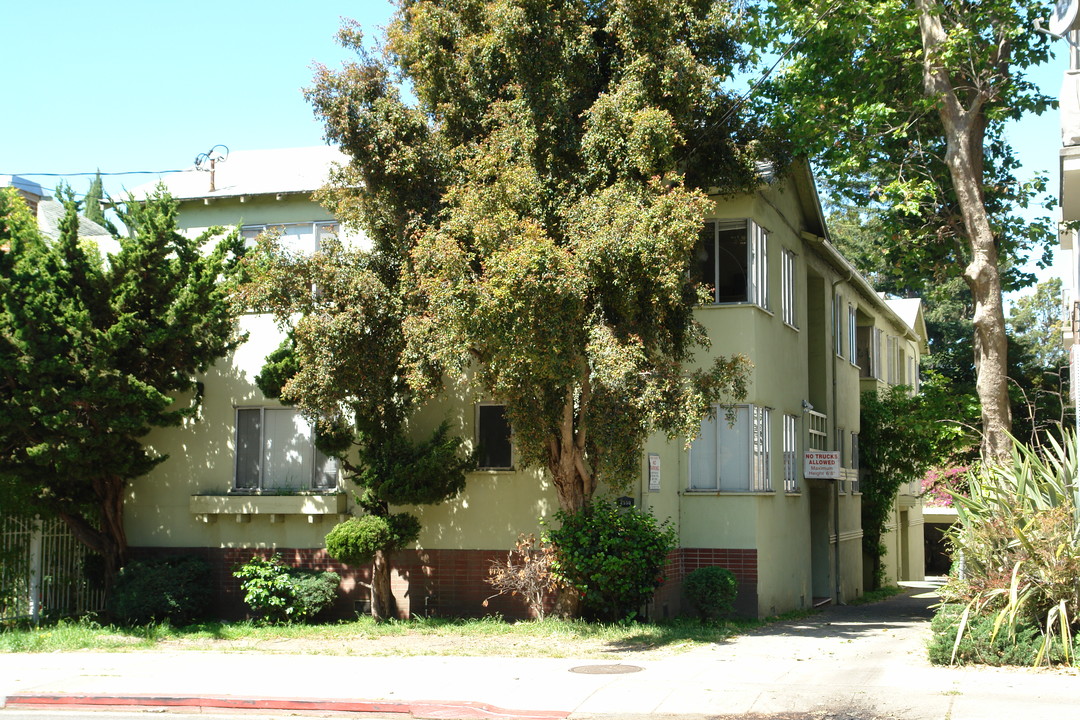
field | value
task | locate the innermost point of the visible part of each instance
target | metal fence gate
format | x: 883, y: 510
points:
x: 42, y: 571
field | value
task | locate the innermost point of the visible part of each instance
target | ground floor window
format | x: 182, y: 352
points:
x: 733, y: 457
x: 275, y: 450
x: 495, y: 450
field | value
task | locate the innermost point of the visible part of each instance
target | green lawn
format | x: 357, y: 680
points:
x: 489, y: 636
x: 435, y: 636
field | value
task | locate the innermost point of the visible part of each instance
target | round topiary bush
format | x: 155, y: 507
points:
x: 356, y: 540
x: 711, y: 591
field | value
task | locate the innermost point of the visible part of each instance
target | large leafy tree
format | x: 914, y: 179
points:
x: 1039, y: 363
x: 901, y: 436
x: 95, y: 352
x: 547, y: 188
x: 904, y: 105
x: 342, y: 367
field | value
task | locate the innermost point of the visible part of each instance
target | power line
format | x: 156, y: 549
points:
x: 799, y: 38
x: 77, y: 174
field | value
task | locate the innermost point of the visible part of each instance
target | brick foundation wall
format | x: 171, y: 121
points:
x: 451, y: 583
x: 426, y: 582
x: 681, y: 562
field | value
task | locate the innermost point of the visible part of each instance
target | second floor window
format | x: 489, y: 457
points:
x: 852, y: 329
x: 295, y: 238
x: 733, y: 457
x: 869, y: 342
x: 837, y: 325
x: 732, y: 258
x: 787, y: 278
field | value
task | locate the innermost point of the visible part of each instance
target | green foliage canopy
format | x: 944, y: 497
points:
x: 94, y: 354
x: 92, y: 202
x: 341, y: 365
x: 1039, y: 363
x: 904, y: 105
x: 544, y: 194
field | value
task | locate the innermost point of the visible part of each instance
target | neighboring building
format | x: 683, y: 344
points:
x: 246, y: 475
x: 50, y: 212
x: 1069, y: 196
x: 29, y: 190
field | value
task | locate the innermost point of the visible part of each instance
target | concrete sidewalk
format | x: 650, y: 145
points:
x: 863, y: 663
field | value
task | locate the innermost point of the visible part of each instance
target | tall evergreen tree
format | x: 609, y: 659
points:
x: 544, y: 194
x: 342, y: 367
x: 94, y: 354
x: 92, y: 209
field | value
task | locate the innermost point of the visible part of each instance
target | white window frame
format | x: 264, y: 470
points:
x: 838, y: 330
x: 755, y: 455
x: 853, y: 340
x: 477, y: 435
x: 318, y: 466
x: 890, y: 358
x: 875, y: 355
x: 757, y: 260
x: 791, y: 454
x: 761, y: 459
x: 787, y: 285
x: 318, y: 230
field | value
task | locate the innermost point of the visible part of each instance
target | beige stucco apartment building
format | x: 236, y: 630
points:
x: 246, y: 477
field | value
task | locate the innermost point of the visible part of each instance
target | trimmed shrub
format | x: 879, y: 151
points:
x: 176, y: 589
x: 614, y: 557
x: 356, y: 540
x: 711, y: 591
x: 279, y: 593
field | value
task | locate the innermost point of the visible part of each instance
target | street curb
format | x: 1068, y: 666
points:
x: 446, y: 710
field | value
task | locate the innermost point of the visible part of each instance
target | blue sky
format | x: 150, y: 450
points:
x: 125, y: 86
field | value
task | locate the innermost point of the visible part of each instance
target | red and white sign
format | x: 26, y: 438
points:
x: 821, y: 464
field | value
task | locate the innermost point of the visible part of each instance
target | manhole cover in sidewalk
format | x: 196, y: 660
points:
x: 605, y: 669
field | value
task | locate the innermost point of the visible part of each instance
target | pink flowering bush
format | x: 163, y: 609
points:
x: 938, y: 482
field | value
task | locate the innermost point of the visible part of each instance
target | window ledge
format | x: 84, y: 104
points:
x: 729, y: 493
x: 740, y: 304
x: 298, y: 504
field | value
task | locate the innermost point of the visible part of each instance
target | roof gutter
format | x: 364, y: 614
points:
x: 839, y: 263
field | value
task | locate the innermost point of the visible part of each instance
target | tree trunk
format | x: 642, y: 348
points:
x: 964, y: 134
x: 110, y: 541
x: 574, y: 480
x: 382, y: 599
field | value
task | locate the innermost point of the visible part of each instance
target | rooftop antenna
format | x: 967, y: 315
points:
x: 216, y: 154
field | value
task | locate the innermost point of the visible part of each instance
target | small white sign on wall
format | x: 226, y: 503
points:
x: 821, y: 464
x: 654, y: 472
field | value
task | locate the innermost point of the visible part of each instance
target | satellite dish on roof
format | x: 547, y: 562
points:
x: 1064, y: 17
